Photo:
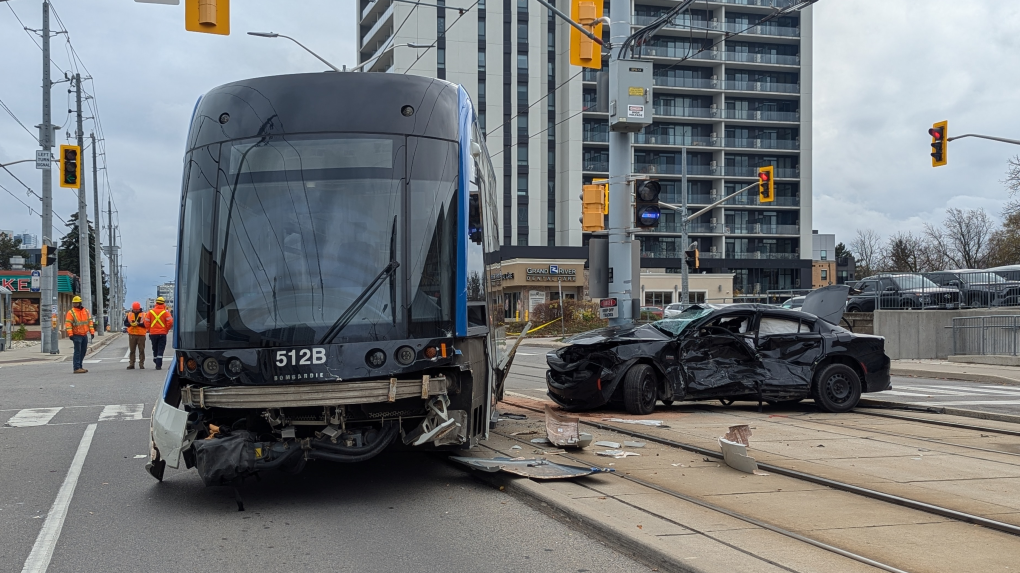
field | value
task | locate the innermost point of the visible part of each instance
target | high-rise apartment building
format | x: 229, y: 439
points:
x: 735, y: 94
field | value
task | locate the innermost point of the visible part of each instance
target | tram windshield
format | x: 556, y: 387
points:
x: 282, y: 235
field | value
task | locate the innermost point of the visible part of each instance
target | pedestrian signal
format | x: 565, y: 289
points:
x: 647, y: 212
x: 70, y: 166
x: 766, y: 185
x: 693, y: 261
x: 939, y: 151
x: 49, y: 256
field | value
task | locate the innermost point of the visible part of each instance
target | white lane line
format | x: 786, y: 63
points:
x: 32, y: 417
x: 996, y: 391
x: 934, y: 391
x: 971, y: 403
x: 121, y: 412
x: 93, y: 361
x: 127, y: 353
x: 896, y: 393
x: 39, y: 559
x: 124, y: 360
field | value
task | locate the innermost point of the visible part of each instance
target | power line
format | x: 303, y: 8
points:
x: 433, y: 44
x: 11, y: 113
x: 30, y: 35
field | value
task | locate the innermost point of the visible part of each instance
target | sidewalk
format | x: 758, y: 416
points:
x: 1009, y: 375
x: 33, y: 354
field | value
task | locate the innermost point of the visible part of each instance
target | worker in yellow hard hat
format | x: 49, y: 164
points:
x: 79, y: 327
x: 158, y: 322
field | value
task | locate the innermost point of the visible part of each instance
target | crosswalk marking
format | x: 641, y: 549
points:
x: 897, y: 393
x: 986, y: 390
x: 971, y: 403
x: 121, y: 412
x: 32, y: 417
x: 934, y: 391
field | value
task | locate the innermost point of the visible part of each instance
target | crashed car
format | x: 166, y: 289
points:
x: 723, y: 352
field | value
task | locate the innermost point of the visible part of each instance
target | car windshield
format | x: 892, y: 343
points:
x: 677, y: 324
x: 914, y: 281
x: 979, y: 278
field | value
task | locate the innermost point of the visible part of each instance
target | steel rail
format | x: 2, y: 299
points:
x: 838, y: 485
x: 942, y: 423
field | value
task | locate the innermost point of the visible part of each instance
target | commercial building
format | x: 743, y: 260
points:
x: 735, y: 94
x: 166, y: 290
x: 25, y: 306
x: 823, y: 259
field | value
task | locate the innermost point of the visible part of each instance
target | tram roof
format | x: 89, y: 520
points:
x: 326, y: 102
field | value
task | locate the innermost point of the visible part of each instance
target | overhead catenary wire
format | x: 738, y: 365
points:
x: 443, y: 34
x: 18, y: 121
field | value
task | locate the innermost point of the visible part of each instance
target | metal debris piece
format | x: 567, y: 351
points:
x: 561, y: 430
x: 531, y: 468
x: 540, y: 441
x: 735, y: 456
x: 656, y: 423
x: 633, y: 444
x: 613, y: 445
x: 524, y: 433
x: 739, y: 434
x: 512, y: 416
x: 515, y: 447
x: 617, y: 454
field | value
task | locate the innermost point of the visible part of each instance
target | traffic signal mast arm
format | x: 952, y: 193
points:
x: 1002, y: 139
x: 710, y: 207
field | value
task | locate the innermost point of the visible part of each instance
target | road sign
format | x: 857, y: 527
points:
x: 36, y: 281
x: 608, y: 308
x: 43, y: 159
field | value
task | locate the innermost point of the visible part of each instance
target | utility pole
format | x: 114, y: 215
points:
x: 48, y: 291
x: 99, y: 243
x: 84, y: 264
x: 621, y: 283
x: 114, y: 269
x: 685, y: 293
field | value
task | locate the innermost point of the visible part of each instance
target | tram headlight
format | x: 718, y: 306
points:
x: 234, y: 367
x: 375, y: 358
x: 191, y: 364
x: 210, y: 366
x: 405, y: 355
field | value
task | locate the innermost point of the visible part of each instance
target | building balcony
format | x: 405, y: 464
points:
x: 680, y: 111
x: 760, y: 229
x: 757, y: 255
x: 589, y: 75
x: 667, y: 139
x: 788, y: 145
x: 765, y: 3
x: 770, y: 87
x: 692, y: 53
x: 595, y: 136
x: 756, y: 115
x: 752, y: 200
x: 674, y: 82
x: 673, y: 169
x: 773, y: 59
x: 595, y: 166
x: 752, y: 172
x: 766, y: 29
x: 677, y: 24
x: 380, y: 30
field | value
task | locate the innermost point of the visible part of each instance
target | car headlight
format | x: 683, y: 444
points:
x: 925, y: 299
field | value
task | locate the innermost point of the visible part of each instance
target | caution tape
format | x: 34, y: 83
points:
x: 534, y: 329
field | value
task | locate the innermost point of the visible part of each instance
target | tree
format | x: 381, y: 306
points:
x: 962, y: 240
x: 10, y: 247
x: 841, y: 251
x: 903, y: 253
x: 1012, y: 182
x: 69, y: 256
x: 1004, y: 245
x: 867, y: 249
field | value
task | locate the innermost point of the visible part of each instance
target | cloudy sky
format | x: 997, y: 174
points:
x: 884, y: 71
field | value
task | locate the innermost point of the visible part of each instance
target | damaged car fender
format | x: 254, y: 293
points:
x: 166, y: 431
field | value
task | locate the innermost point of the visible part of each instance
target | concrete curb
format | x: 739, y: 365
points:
x: 962, y: 412
x: 580, y: 518
x: 965, y: 376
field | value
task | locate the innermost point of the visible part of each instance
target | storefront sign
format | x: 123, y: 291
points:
x: 552, y: 273
x: 17, y: 284
x: 504, y: 276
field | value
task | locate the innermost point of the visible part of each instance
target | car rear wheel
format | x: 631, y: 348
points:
x: 853, y: 309
x: 837, y: 388
x: 640, y: 389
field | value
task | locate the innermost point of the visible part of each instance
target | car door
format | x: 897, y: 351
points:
x: 719, y: 359
x: 789, y: 348
x: 869, y: 294
x: 889, y: 294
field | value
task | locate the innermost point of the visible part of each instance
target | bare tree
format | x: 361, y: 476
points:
x: 904, y: 253
x: 962, y: 240
x: 867, y: 250
x: 1004, y: 245
x: 1012, y: 182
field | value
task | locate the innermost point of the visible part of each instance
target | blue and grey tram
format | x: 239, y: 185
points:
x: 337, y: 267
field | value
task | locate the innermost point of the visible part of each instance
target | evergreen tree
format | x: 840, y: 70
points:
x: 10, y: 248
x: 69, y: 257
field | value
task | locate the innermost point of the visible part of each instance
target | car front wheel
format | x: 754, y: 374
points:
x: 640, y: 389
x: 838, y: 388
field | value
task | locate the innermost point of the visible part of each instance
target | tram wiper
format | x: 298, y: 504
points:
x: 359, y: 303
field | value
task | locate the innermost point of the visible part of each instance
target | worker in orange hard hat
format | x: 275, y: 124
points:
x: 78, y: 324
x: 135, y: 323
x: 158, y: 322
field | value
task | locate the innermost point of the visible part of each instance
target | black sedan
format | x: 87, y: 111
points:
x: 723, y: 352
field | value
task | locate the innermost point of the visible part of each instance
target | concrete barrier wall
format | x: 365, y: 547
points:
x: 923, y: 333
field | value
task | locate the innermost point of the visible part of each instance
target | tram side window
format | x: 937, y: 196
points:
x: 476, y: 258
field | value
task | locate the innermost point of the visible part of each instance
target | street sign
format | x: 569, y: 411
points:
x: 43, y: 159
x: 36, y: 281
x: 608, y: 308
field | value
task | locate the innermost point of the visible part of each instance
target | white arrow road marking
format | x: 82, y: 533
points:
x: 32, y: 417
x: 39, y: 559
x: 117, y: 412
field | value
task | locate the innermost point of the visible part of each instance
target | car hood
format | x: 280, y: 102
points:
x: 619, y: 334
x: 827, y: 303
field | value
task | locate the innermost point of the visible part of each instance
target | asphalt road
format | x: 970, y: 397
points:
x: 528, y: 378
x: 398, y: 512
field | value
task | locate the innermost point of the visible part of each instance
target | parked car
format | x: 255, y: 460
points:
x: 901, y: 291
x: 651, y: 313
x: 723, y: 352
x: 979, y: 288
x: 793, y: 303
x: 1008, y: 272
x: 673, y: 310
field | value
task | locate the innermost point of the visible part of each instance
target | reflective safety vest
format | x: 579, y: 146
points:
x: 159, y: 320
x: 78, y: 322
x: 135, y: 323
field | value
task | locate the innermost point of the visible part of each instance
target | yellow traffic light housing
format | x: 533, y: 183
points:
x: 592, y: 205
x: 605, y: 193
x: 584, y: 51
x: 49, y: 256
x: 693, y: 260
x: 207, y: 16
x: 70, y: 166
x: 939, y: 143
x: 766, y: 185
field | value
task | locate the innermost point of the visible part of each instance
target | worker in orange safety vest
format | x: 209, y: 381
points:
x: 135, y: 323
x: 79, y: 327
x: 158, y: 322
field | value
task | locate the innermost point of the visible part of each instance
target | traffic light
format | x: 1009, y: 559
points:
x: 647, y: 212
x: 70, y: 166
x: 49, y: 256
x: 605, y: 193
x: 693, y: 262
x: 592, y: 204
x: 766, y: 185
x: 207, y: 16
x: 584, y: 51
x: 939, y: 149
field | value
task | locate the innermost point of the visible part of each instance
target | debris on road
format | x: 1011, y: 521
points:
x: 734, y: 449
x: 511, y: 416
x: 617, y: 453
x: 531, y: 468
x: 540, y: 441
x: 563, y: 430
x: 634, y: 444
x: 656, y: 423
x: 524, y: 433
x: 604, y: 444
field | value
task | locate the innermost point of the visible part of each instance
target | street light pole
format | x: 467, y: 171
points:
x: 48, y: 309
x: 275, y: 35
